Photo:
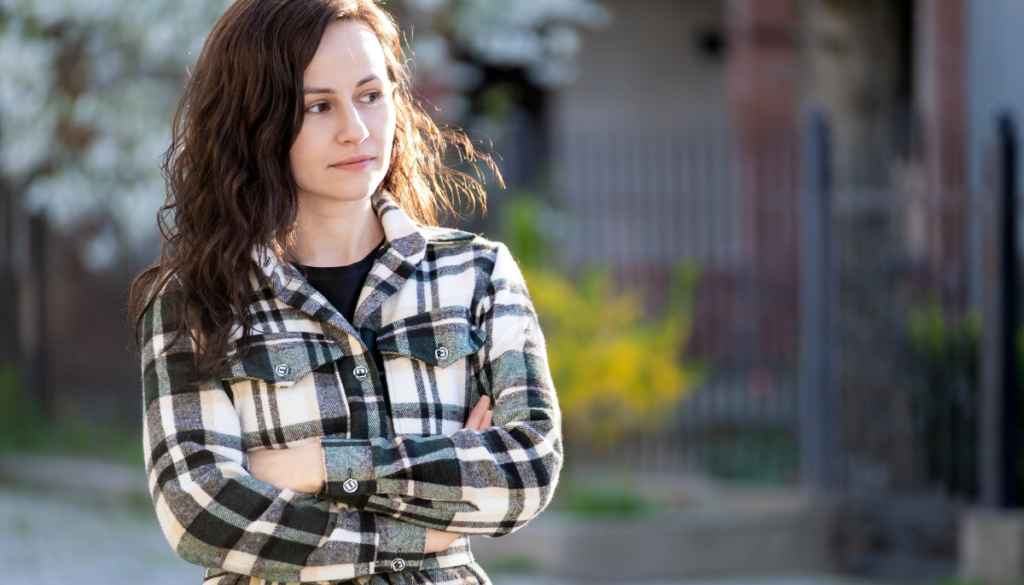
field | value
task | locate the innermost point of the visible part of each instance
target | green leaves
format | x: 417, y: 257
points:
x: 617, y: 365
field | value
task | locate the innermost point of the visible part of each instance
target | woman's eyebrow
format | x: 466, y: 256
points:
x: 367, y: 80
x: 312, y: 90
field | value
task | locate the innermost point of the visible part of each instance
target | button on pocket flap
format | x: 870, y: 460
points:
x: 439, y: 337
x: 282, y: 360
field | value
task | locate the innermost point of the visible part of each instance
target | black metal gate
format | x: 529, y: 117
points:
x: 848, y: 346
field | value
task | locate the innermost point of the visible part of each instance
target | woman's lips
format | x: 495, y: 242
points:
x: 353, y: 163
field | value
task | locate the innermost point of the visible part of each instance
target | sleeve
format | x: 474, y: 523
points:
x: 490, y: 482
x: 214, y: 513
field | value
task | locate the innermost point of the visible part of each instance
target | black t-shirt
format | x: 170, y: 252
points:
x: 341, y: 285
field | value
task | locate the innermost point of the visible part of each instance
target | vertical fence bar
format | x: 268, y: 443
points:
x: 817, y: 404
x: 34, y: 340
x: 8, y: 281
x: 1012, y: 315
x: 1000, y: 402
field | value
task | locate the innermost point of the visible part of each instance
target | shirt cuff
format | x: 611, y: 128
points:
x: 351, y: 476
x: 357, y: 469
x: 400, y: 546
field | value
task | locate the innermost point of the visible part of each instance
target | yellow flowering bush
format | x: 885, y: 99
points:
x: 616, y: 367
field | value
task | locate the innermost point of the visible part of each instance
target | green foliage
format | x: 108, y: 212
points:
x: 943, y: 358
x: 937, y: 344
x: 25, y: 429
x: 523, y: 232
x: 958, y: 581
x: 496, y: 100
x: 603, y: 500
x: 20, y: 422
x: 9, y: 385
x: 510, y: 565
x: 616, y: 367
x: 753, y: 454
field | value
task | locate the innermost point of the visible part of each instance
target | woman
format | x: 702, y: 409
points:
x: 318, y: 362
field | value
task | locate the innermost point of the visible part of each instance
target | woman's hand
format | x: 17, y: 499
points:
x: 300, y: 469
x: 479, y: 419
x: 437, y: 541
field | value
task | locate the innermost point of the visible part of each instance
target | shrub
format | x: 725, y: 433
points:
x: 616, y: 366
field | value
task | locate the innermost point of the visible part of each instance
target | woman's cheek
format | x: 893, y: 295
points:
x: 387, y: 135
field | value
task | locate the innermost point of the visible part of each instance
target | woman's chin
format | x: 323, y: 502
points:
x: 348, y: 195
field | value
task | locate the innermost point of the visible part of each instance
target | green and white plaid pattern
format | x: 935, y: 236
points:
x: 449, y: 315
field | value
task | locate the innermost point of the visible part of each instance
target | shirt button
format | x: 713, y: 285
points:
x: 397, y: 565
x: 350, y: 485
x: 282, y: 370
x: 360, y: 372
x: 441, y: 353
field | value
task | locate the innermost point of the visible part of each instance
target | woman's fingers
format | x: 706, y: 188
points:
x: 477, y: 416
x: 487, y: 420
x: 437, y: 541
x: 300, y: 469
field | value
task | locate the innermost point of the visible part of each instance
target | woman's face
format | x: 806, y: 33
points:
x: 344, y: 146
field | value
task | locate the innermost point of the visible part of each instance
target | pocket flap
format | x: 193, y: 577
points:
x: 438, y: 338
x: 283, y: 359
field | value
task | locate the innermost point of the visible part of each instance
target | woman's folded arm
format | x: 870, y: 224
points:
x: 214, y: 513
x: 488, y: 482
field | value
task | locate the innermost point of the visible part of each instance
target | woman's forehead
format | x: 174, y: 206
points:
x: 348, y: 52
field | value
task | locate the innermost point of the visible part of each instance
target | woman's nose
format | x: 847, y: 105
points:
x: 351, y: 127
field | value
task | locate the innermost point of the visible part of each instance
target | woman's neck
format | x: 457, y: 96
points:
x: 334, y: 233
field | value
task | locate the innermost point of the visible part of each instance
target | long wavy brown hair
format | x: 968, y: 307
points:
x: 230, y: 188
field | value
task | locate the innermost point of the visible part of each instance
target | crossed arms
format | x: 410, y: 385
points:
x: 489, y: 480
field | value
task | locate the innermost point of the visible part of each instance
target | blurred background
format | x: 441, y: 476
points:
x: 775, y: 246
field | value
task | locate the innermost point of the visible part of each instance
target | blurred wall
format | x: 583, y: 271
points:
x: 995, y: 75
x: 661, y: 61
x: 675, y: 144
x: 858, y: 69
x: 995, y: 85
x: 639, y: 141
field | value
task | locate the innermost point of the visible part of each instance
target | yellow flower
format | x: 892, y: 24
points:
x: 615, y: 369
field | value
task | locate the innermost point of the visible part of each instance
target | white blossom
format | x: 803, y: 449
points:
x: 26, y: 121
x: 92, y: 152
x: 133, y: 56
x: 538, y: 35
x: 431, y: 51
x: 427, y: 5
x: 101, y: 251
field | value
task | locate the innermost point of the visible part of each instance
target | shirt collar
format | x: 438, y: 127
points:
x: 405, y: 236
x: 404, y: 248
x: 401, y: 234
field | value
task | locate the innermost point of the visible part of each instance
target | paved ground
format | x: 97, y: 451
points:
x: 50, y: 537
x: 791, y: 580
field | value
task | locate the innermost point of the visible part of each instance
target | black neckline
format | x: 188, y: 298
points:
x: 339, y: 272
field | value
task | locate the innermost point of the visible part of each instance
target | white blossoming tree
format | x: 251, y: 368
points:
x: 87, y: 89
x: 86, y: 93
x: 540, y: 36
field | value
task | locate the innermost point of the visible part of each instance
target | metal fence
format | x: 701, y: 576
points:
x: 645, y: 200
x: 833, y: 311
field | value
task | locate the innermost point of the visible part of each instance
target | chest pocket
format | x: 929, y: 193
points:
x: 286, y: 389
x: 425, y: 358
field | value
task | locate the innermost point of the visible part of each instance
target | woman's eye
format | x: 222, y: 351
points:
x: 372, y: 96
x: 317, y: 108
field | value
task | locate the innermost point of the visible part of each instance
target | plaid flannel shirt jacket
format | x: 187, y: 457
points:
x: 450, y: 316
